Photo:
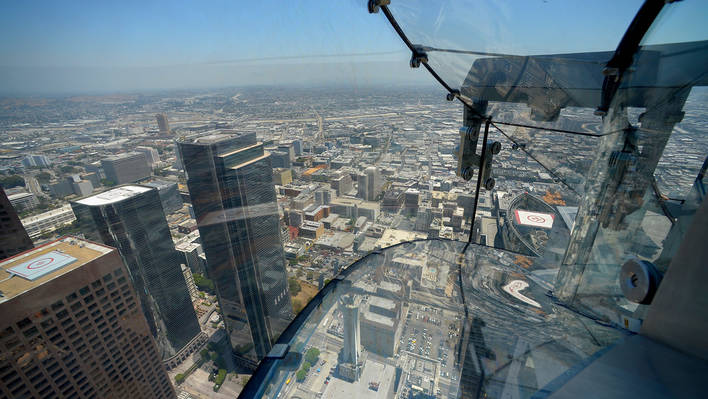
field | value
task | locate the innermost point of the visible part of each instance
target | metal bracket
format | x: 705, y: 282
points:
x: 418, y: 57
x: 467, y: 157
x: 375, y: 5
x: 622, y: 195
x: 452, y: 95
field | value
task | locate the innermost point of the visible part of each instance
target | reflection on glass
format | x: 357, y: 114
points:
x: 400, y: 324
x: 230, y: 178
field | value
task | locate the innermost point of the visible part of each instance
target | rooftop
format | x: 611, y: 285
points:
x: 47, y: 215
x: 373, y: 371
x: 383, y: 303
x: 19, y: 195
x: 394, y: 236
x: 377, y: 318
x: 113, y: 195
x: 308, y: 224
x: 74, y: 252
x: 211, y: 138
x: 122, y: 156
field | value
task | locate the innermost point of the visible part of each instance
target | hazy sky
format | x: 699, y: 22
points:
x: 73, y: 46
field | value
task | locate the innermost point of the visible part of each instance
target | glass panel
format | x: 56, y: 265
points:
x: 625, y: 210
x: 515, y: 27
x: 400, y: 324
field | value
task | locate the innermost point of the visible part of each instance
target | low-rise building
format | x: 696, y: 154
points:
x: 23, y: 201
x: 310, y: 229
x: 48, y: 221
x: 282, y: 176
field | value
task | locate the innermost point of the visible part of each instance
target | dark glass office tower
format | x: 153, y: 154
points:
x: 130, y: 218
x: 230, y: 182
x: 13, y: 236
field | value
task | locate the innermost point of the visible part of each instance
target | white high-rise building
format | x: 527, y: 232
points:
x: 352, y: 341
x: 153, y: 157
x: 369, y: 184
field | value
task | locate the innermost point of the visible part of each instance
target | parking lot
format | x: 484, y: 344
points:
x: 432, y: 332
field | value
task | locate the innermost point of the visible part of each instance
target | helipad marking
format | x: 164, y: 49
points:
x: 535, y: 219
x: 513, y: 289
x: 42, y: 265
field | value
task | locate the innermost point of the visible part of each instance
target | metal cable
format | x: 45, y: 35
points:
x: 535, y: 159
x: 554, y: 129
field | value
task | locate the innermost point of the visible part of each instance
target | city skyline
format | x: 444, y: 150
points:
x: 322, y: 142
x: 360, y: 198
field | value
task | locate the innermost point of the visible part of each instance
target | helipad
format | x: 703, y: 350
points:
x: 41, y: 265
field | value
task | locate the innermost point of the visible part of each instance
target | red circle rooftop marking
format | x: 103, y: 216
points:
x: 536, y: 219
x: 40, y: 263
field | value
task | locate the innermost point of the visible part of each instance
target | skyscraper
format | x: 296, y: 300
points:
x: 352, y: 339
x: 13, y: 237
x: 71, y: 327
x: 162, y: 124
x: 230, y: 182
x: 169, y: 194
x: 349, y: 366
x: 131, y: 219
x: 374, y: 181
x: 362, y: 189
x: 126, y: 168
x: 369, y: 184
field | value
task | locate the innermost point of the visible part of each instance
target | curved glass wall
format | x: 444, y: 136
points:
x: 435, y: 318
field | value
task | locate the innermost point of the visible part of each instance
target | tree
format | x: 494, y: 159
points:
x: 244, y: 380
x: 312, y: 355
x: 306, y: 366
x: 108, y: 183
x: 43, y: 177
x: 160, y: 172
x: 310, y: 275
x: 300, y: 375
x: 203, y: 283
x: 220, y: 377
x: 205, y: 354
x: 68, y: 169
x: 179, y: 378
x: 12, y: 181
x: 294, y: 286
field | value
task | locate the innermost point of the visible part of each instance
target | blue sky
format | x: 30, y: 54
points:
x: 152, y: 33
x: 130, y: 45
